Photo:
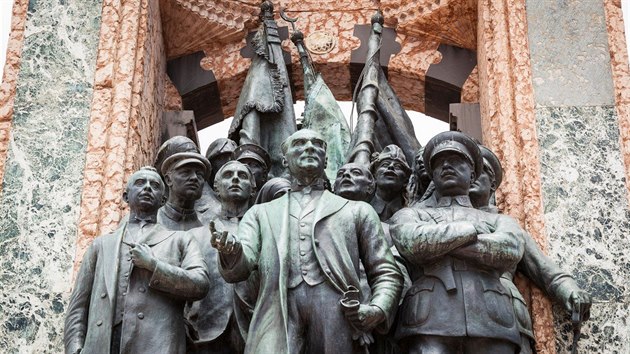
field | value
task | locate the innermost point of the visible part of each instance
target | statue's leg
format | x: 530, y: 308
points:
x: 474, y: 345
x: 427, y: 344
x: 250, y: 128
x: 328, y: 330
x: 296, y: 299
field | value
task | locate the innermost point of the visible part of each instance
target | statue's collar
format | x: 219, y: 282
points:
x: 176, y: 213
x: 317, y: 185
x: 447, y: 201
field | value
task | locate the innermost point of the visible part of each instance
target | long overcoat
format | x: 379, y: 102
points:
x: 153, y: 319
x: 344, y: 234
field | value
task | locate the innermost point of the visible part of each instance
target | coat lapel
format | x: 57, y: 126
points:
x: 328, y: 204
x: 156, y: 235
x: 111, y: 251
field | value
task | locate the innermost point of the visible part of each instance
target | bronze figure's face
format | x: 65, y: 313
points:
x: 452, y: 174
x: 145, y: 191
x: 234, y: 181
x: 257, y: 169
x: 354, y: 182
x: 186, y: 181
x: 305, y: 154
x: 391, y: 174
x: 483, y: 187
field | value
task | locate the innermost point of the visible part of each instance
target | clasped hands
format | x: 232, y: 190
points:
x: 223, y: 241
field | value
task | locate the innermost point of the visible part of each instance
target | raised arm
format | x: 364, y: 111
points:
x: 238, y: 254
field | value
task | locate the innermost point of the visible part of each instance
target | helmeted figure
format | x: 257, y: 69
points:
x: 536, y: 266
x: 307, y: 246
x: 133, y: 283
x: 456, y: 255
x: 391, y: 171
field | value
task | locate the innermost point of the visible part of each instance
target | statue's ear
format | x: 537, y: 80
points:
x: 370, y: 188
x: 326, y: 162
x: 163, y: 201
x: 473, y: 177
x: 285, y: 162
x: 168, y: 180
x: 125, y: 197
x: 493, y: 186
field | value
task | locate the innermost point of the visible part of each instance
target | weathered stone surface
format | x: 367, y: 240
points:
x: 9, y: 79
x: 569, y: 53
x: 587, y: 215
x: 509, y: 128
x: 43, y: 175
x: 621, y: 76
x: 124, y: 128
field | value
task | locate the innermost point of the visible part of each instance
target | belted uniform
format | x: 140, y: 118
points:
x: 456, y: 269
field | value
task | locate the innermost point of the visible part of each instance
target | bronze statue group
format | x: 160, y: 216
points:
x: 313, y: 240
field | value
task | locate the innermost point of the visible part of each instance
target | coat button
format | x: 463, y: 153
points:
x: 140, y: 315
x: 156, y: 282
x: 142, y: 289
x: 103, y: 295
x: 304, y: 272
x: 316, y: 242
x: 303, y: 253
x: 99, y: 322
x: 303, y: 224
x: 302, y: 237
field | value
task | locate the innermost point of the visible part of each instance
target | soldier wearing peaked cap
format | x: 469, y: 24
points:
x: 171, y: 146
x: 257, y: 159
x: 456, y: 255
x: 539, y: 268
x: 218, y: 153
x: 391, y: 171
x: 184, y: 174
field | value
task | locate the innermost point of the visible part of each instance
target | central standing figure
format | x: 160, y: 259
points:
x: 308, y: 245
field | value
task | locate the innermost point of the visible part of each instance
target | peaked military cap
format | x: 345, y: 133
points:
x: 252, y: 151
x: 219, y: 147
x: 184, y: 158
x: 456, y: 142
x: 391, y: 152
x: 492, y: 161
x: 172, y: 146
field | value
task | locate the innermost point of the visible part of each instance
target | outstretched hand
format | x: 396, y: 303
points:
x: 223, y: 241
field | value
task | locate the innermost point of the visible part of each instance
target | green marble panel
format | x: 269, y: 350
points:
x: 587, y: 218
x: 39, y: 204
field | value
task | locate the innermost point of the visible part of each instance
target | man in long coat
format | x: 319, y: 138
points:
x: 131, y: 289
x: 308, y: 245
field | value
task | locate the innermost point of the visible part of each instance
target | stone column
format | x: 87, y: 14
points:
x: 583, y: 176
x: 43, y: 173
x: 509, y: 128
